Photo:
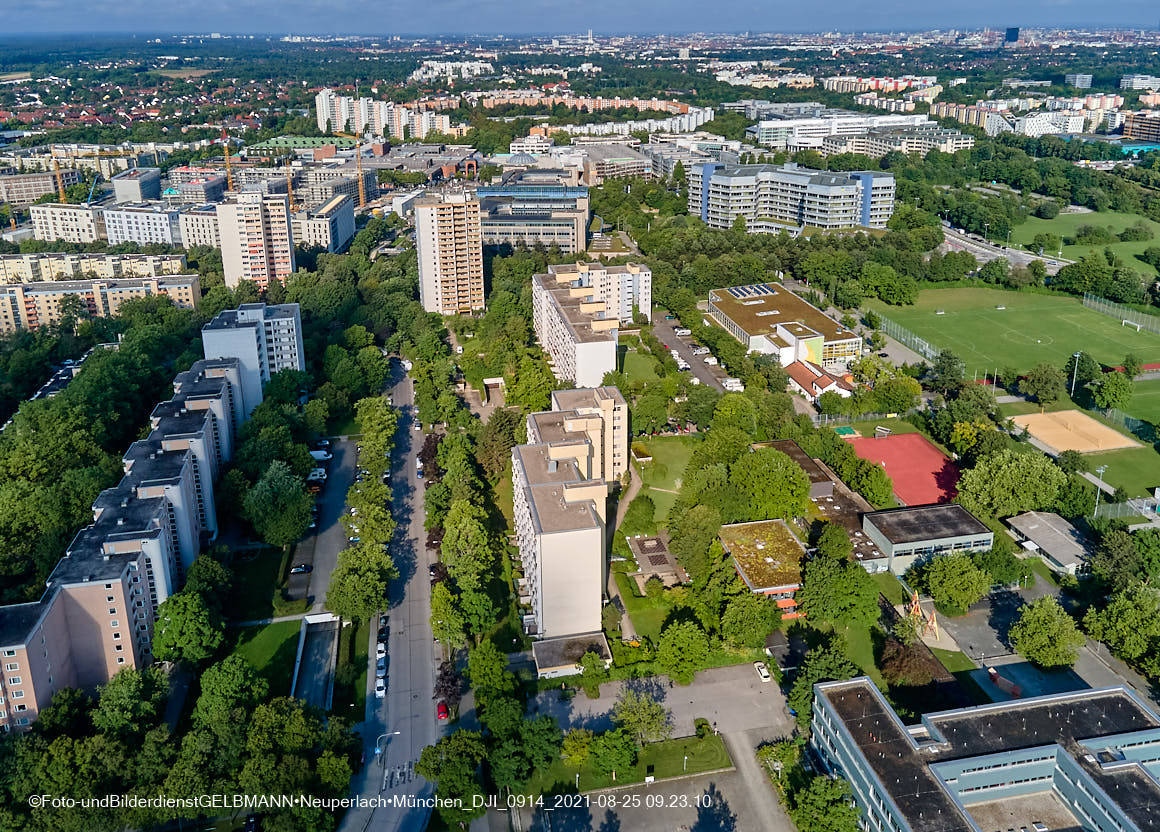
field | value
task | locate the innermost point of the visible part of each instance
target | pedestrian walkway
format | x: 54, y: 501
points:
x: 262, y: 622
x: 627, y: 631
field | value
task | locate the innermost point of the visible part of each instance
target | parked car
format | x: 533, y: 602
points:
x: 762, y: 671
x: 419, y: 473
x: 380, y: 649
x: 301, y: 569
x: 670, y: 317
x: 353, y: 539
x: 323, y: 443
x: 711, y: 360
x: 683, y: 331
x: 384, y: 630
x: 381, y: 668
x: 418, y: 425
x: 380, y: 688
x: 441, y: 712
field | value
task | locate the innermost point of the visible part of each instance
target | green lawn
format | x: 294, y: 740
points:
x: 647, y: 614
x: 662, y: 476
x: 271, y: 650
x: 1042, y: 571
x: 895, y: 425
x: 504, y: 496
x: 889, y: 586
x: 257, y: 588
x: 1136, y: 470
x: 1065, y: 225
x: 1009, y: 409
x: 667, y: 759
x: 639, y: 367
x: 1034, y: 328
x: 1145, y: 402
x: 350, y: 699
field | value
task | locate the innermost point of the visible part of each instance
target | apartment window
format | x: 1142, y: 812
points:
x: 108, y: 586
x: 12, y: 666
x: 112, y: 610
x: 14, y: 680
x: 113, y: 623
x: 120, y: 660
x: 110, y: 599
x: 20, y: 708
x: 9, y: 652
x: 116, y: 636
x: 17, y: 694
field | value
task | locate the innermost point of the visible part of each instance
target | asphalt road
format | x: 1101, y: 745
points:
x: 663, y: 329
x: 985, y: 252
x: 404, y: 721
x: 330, y: 537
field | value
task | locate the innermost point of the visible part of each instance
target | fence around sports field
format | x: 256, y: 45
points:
x: 907, y: 338
x: 1124, y: 314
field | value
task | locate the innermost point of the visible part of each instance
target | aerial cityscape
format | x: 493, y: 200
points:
x: 570, y: 420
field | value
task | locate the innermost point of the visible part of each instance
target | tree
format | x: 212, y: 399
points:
x: 824, y: 663
x: 838, y: 591
x: 531, y: 388
x: 501, y: 714
x: 1006, y: 483
x: 642, y: 717
x: 948, y: 372
x: 748, y: 619
x: 593, y: 671
x: 467, y: 545
x: 824, y: 805
x: 613, y: 751
x: 1112, y: 390
x: 210, y: 579
x: 1129, y: 624
x: 1003, y: 566
x: 735, y: 410
x: 776, y: 485
x: 447, y: 624
x: 453, y: 765
x: 1046, y: 635
x: 1071, y: 462
x: 130, y: 703
x: 1132, y: 366
x: 230, y: 684
x: 1044, y: 383
x: 1116, y: 560
x: 487, y: 669
x: 576, y: 747
x: 540, y: 739
x: 954, y: 582
x: 834, y: 542
x: 682, y: 651
x: 898, y: 394
x: 187, y: 629
x: 358, y: 584
x: 278, y: 506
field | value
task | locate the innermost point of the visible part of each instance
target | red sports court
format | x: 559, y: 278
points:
x: 920, y: 472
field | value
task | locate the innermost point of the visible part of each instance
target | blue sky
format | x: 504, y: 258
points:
x: 555, y: 16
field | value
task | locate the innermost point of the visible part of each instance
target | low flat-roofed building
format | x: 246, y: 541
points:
x: 1083, y: 760
x: 770, y: 319
x: 769, y: 559
x: 821, y: 485
x: 917, y: 533
x: 1048, y: 534
x: 575, y: 329
x: 561, y: 656
x: 52, y: 221
x: 329, y: 227
x: 25, y: 188
x: 654, y: 560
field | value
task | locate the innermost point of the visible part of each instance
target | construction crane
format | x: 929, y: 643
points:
x: 59, y: 180
x: 229, y: 172
x: 362, y: 190
x: 96, y: 179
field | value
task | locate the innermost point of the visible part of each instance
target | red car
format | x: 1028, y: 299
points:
x: 441, y: 711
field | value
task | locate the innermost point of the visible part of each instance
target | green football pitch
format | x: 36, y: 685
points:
x: 1029, y: 330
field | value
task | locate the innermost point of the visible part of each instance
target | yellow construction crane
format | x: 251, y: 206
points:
x: 229, y: 172
x: 362, y: 191
x: 59, y: 180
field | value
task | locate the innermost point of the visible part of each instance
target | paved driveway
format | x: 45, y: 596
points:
x: 330, y: 536
x: 663, y: 330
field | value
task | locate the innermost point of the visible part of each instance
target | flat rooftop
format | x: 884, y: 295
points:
x: 759, y: 309
x: 932, y: 522
x: 578, y: 321
x: 137, y: 173
x: 767, y: 555
x: 794, y: 451
x: 554, y: 514
x: 1052, y: 535
x: 585, y: 397
x: 553, y: 653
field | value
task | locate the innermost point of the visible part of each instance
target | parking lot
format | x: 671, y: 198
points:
x: 663, y: 330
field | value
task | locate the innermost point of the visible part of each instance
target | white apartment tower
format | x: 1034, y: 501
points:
x: 256, y: 240
x: 264, y: 339
x: 449, y: 241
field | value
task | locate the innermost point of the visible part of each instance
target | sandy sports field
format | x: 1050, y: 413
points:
x: 1071, y: 430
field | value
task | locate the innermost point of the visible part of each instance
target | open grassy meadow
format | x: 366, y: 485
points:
x: 1031, y: 329
x: 1065, y: 225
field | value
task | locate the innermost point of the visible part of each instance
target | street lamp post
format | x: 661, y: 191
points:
x: 987, y: 231
x: 1074, y: 371
x: 686, y: 766
x: 1100, y: 473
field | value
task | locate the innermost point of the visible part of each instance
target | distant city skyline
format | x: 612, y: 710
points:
x: 530, y: 17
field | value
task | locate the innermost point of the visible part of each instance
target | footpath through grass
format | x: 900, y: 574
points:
x: 663, y: 475
x: 1066, y: 225
x: 1033, y: 328
x: 667, y: 759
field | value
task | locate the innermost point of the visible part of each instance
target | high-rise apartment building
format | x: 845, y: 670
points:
x: 96, y: 615
x: 26, y: 188
x: 449, y: 243
x: 30, y: 306
x: 774, y: 198
x: 256, y: 240
x: 329, y: 227
x: 1079, y: 80
x: 576, y: 328
x: 144, y: 223
x: 622, y: 289
x: 560, y: 489
x: 53, y: 221
x: 32, y: 268
x: 264, y: 339
x: 199, y: 227
x: 1142, y: 126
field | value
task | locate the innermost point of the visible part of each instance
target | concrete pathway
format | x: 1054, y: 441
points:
x: 627, y: 631
x: 262, y: 622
